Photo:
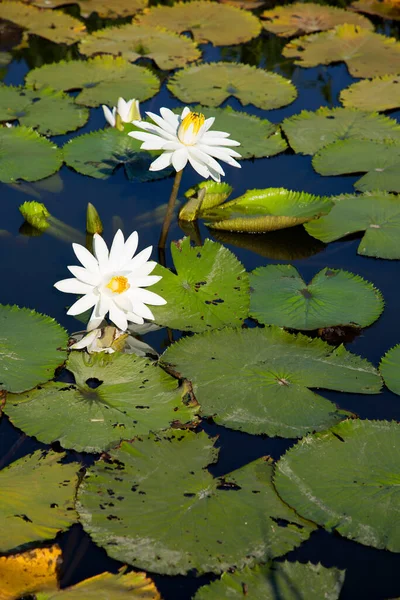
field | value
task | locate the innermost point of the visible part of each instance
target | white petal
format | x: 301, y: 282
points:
x: 134, y: 318
x: 123, y: 302
x: 207, y: 124
x: 139, y: 260
x: 83, y: 304
x: 221, y: 154
x: 116, y: 251
x: 73, y: 286
x: 173, y: 145
x: 95, y: 320
x: 149, y: 297
x: 86, y: 258
x: 170, y: 117
x: 86, y: 340
x: 162, y: 123
x: 199, y: 166
x: 214, y: 174
x: 123, y: 109
x: 140, y: 309
x: 131, y: 245
x: 162, y: 162
x: 150, y: 141
x: 145, y: 269
x: 179, y: 159
x: 103, y: 305
x: 218, y: 141
x: 185, y: 112
x: 207, y: 159
x: 100, y: 251
x: 84, y: 275
x: 146, y: 281
x: 118, y: 317
x: 214, y: 134
x: 155, y: 129
x: 109, y: 116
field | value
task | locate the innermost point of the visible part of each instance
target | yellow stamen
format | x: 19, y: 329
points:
x: 118, y: 284
x: 195, y: 119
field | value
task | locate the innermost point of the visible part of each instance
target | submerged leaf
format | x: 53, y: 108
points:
x: 390, y: 369
x: 387, y: 9
x: 347, y: 479
x: 207, y: 21
x: 210, y: 289
x: 380, y: 93
x: 169, y: 515
x: 378, y: 214
x: 258, y: 380
x: 212, y: 83
x: 367, y: 54
x: 21, y: 574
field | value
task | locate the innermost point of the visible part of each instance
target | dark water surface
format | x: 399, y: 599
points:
x: 30, y: 265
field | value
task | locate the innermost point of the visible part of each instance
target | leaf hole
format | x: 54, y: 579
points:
x: 93, y: 382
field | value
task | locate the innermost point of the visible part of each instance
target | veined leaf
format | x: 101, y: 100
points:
x: 388, y: 9
x: 380, y: 93
x: 390, y: 368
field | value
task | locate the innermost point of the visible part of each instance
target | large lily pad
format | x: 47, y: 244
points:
x: 210, y: 289
x: 55, y: 26
x: 390, y: 369
x: 333, y: 297
x: 24, y: 154
x: 283, y: 580
x: 300, y: 19
x: 367, y: 54
x: 211, y: 84
x: 380, y: 160
x: 388, y: 9
x: 378, y: 214
x: 104, y: 8
x: 102, y: 79
x: 156, y: 506
x: 99, y: 153
x: 266, y: 210
x: 134, y: 41
x: 37, y: 499
x: 347, y: 480
x: 30, y: 348
x: 310, y: 131
x: 50, y: 112
x: 272, y: 393
x: 380, y: 93
x: 134, y: 396
x: 221, y: 25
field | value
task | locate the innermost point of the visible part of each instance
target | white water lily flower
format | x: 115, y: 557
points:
x: 186, y: 138
x: 124, y: 112
x: 112, y: 282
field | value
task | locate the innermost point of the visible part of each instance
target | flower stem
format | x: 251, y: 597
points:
x: 170, y: 210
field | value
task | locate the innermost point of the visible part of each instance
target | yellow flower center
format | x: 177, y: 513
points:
x: 118, y: 284
x: 190, y: 127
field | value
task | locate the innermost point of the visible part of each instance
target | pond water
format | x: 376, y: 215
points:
x: 30, y: 264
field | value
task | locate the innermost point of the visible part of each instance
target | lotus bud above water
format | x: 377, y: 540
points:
x: 93, y: 221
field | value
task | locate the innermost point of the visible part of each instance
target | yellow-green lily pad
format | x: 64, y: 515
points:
x: 388, y: 9
x: 379, y: 93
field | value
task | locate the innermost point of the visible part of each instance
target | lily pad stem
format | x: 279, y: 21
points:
x: 170, y: 211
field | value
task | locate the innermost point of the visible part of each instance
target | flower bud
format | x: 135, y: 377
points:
x: 93, y: 221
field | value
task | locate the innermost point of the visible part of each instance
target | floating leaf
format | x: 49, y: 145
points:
x: 381, y: 160
x: 378, y: 214
x: 333, y: 297
x: 310, y: 131
x: 99, y: 153
x: 30, y: 348
x: 207, y: 21
x: 267, y: 210
x: 380, y: 93
x: 21, y: 574
x: 367, y: 54
x: 347, y: 480
x: 37, y: 499
x: 211, y: 84
x: 118, y: 8
x: 299, y: 19
x: 388, y: 9
x: 390, y: 369
x: 276, y: 369
x: 103, y: 79
x: 55, y: 26
x: 156, y: 506
x: 133, y: 397
x: 134, y: 41
x: 283, y: 580
x: 210, y: 289
x: 24, y: 154
x: 50, y: 112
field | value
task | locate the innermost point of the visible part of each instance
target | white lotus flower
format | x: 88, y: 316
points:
x: 124, y: 112
x: 112, y: 282
x: 186, y: 138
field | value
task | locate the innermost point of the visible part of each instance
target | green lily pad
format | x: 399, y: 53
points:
x: 30, y: 348
x: 347, y: 480
x: 299, y: 19
x: 37, y: 499
x: 55, y: 26
x: 209, y: 291
x: 50, y: 112
x: 99, y: 153
x: 272, y: 393
x: 380, y: 160
x: 388, y: 9
x: 134, y: 41
x: 118, y: 8
x: 24, y: 154
x: 266, y: 210
x: 134, y: 397
x: 333, y: 297
x: 283, y: 580
x: 380, y: 93
x: 197, y: 521
x: 390, y: 369
x: 102, y: 79
x: 366, y: 54
x: 378, y: 214
x: 309, y: 131
x: 222, y: 25
x: 211, y: 84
